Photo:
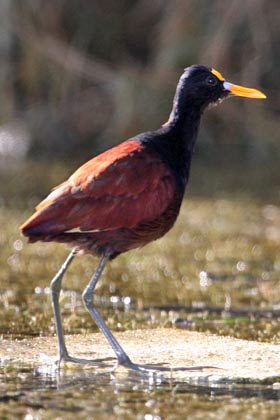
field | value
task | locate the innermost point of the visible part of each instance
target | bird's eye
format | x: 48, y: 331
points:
x: 211, y: 80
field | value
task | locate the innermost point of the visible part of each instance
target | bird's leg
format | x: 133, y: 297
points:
x: 55, y: 293
x: 122, y: 357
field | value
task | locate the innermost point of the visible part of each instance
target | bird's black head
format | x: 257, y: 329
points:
x: 200, y: 86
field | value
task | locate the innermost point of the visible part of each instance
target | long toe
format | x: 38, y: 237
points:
x: 102, y: 363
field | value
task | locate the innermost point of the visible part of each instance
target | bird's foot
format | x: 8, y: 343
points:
x: 65, y: 357
x: 154, y: 369
x: 143, y: 369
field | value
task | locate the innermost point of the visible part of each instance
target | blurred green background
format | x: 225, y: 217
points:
x: 79, y: 76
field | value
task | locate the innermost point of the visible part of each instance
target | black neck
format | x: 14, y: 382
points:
x: 175, y: 141
x: 184, y: 126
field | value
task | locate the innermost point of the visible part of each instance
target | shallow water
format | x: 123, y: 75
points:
x: 38, y: 392
x: 217, y: 271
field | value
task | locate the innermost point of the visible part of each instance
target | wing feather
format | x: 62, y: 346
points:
x: 122, y: 187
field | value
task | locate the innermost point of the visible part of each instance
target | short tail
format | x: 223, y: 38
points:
x: 36, y: 229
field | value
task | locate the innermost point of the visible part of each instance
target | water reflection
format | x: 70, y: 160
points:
x: 92, y: 391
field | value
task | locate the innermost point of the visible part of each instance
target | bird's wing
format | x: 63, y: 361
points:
x: 122, y: 187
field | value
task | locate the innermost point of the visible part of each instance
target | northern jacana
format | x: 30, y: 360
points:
x: 129, y: 195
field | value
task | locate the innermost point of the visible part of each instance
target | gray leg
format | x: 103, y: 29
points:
x: 55, y: 292
x: 122, y: 357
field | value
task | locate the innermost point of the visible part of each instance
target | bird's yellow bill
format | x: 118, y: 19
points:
x: 244, y: 91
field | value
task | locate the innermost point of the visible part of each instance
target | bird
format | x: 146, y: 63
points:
x: 129, y: 195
